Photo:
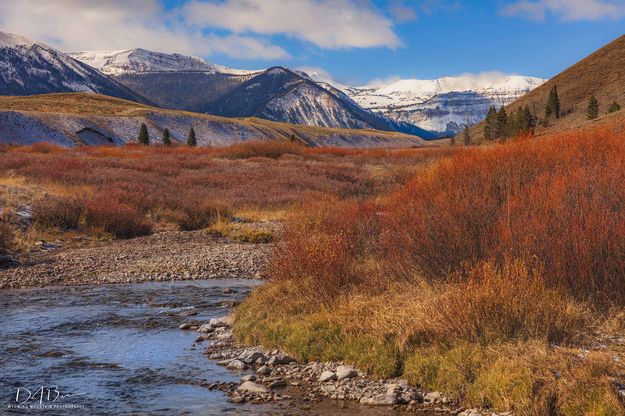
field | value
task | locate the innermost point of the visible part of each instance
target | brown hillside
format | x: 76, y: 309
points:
x: 95, y: 110
x: 601, y: 73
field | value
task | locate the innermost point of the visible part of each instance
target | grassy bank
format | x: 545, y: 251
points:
x: 492, y: 276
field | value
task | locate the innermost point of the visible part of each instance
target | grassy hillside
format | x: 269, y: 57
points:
x: 602, y: 74
x: 88, y: 105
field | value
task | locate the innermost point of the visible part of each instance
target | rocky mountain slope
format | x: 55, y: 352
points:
x: 279, y: 94
x: 601, y: 74
x: 445, y: 105
x: 29, y: 67
x: 79, y: 118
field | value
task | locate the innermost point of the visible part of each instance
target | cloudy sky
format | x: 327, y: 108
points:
x: 352, y: 41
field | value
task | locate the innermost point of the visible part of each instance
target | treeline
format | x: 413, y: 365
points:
x: 500, y: 125
x: 144, y: 137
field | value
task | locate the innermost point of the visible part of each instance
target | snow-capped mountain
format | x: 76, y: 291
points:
x: 443, y: 105
x: 279, y: 94
x: 132, y: 61
x: 29, y: 67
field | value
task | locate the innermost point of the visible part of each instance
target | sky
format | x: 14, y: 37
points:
x: 354, y: 42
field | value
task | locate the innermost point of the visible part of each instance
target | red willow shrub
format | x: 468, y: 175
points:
x: 6, y: 239
x: 556, y: 203
x: 117, y: 218
x: 57, y: 212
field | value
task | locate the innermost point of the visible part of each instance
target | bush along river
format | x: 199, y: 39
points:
x: 150, y: 348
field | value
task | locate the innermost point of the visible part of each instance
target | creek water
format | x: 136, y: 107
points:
x: 117, y: 350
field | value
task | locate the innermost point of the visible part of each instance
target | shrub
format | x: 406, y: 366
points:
x: 6, y: 239
x: 201, y: 215
x: 262, y: 148
x: 57, y: 212
x: 117, y: 218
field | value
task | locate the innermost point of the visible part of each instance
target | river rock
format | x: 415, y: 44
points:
x: 221, y: 321
x: 252, y: 387
x: 249, y: 377
x: 386, y: 399
x: 236, y: 399
x: 236, y: 365
x: 277, y: 383
x: 251, y: 358
x: 264, y: 370
x: 433, y: 397
x: 344, y: 371
x: 470, y: 412
x: 327, y: 376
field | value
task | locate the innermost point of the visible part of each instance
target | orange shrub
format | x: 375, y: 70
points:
x: 117, y: 218
x: 555, y: 202
x: 261, y: 148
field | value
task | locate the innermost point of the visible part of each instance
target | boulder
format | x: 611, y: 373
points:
x: 344, y: 371
x: 236, y: 365
x: 249, y: 377
x: 264, y: 370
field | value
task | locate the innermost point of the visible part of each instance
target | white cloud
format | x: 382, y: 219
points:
x: 123, y: 24
x: 328, y: 24
x: 567, y: 10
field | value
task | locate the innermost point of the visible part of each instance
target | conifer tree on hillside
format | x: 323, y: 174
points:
x: 166, y: 138
x: 490, y: 124
x: 592, y: 112
x: 614, y: 107
x: 143, y: 138
x: 466, y: 135
x: 191, y: 140
x: 553, y: 104
x: 502, y: 123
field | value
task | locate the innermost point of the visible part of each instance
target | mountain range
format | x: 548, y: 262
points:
x: 424, y: 108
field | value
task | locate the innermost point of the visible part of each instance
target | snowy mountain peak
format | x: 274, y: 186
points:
x: 132, y: 61
x: 10, y: 40
x: 444, y: 105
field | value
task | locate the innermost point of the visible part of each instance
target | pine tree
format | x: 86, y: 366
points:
x: 166, y: 138
x: 528, y: 119
x: 490, y: 124
x: 502, y: 123
x: 466, y: 135
x: 191, y: 141
x: 553, y: 104
x: 614, y: 107
x: 143, y: 138
x: 592, y: 112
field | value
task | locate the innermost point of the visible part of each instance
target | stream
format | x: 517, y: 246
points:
x: 117, y: 350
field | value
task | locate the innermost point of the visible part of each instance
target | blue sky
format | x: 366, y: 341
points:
x: 351, y: 41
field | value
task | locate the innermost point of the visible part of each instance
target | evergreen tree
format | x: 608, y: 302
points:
x: 490, y: 124
x: 553, y: 104
x: 143, y: 138
x: 592, y: 112
x: 502, y: 123
x: 614, y: 107
x: 528, y: 119
x: 466, y: 135
x: 191, y: 141
x: 166, y: 138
